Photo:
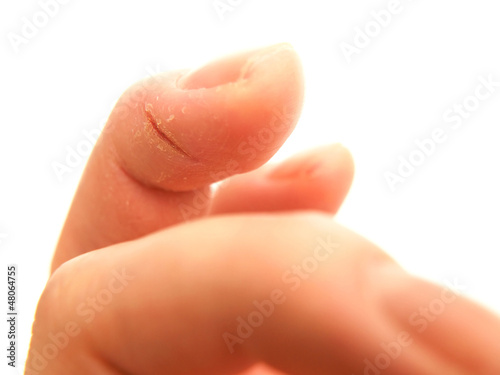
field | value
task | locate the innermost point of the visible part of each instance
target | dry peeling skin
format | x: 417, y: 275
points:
x: 178, y: 132
x: 200, y: 118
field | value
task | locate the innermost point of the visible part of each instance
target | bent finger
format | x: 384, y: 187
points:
x: 171, y: 136
x: 318, y: 179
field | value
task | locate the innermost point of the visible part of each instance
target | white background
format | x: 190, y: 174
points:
x: 441, y: 223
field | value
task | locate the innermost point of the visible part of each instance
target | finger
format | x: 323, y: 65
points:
x: 318, y: 179
x: 439, y: 317
x: 171, y: 136
x: 298, y: 292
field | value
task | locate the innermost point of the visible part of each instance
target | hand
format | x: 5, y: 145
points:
x: 156, y: 273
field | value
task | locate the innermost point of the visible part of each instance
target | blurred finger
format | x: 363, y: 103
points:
x: 318, y: 179
x: 296, y: 291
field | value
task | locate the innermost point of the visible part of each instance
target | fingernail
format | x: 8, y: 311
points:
x: 309, y: 165
x: 232, y: 68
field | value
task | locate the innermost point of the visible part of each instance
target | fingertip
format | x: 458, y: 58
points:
x: 321, y: 161
x: 317, y: 179
x: 239, y: 67
x: 187, y: 126
x: 324, y: 175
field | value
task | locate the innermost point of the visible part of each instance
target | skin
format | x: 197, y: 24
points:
x: 195, y: 261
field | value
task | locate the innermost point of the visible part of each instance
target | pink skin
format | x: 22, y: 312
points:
x: 194, y: 260
x: 136, y: 181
